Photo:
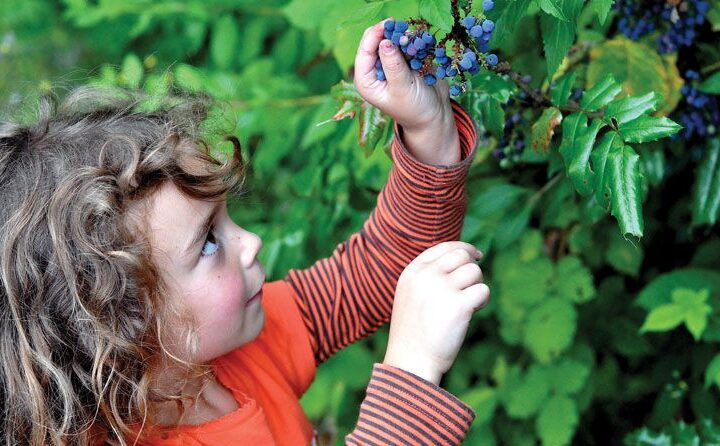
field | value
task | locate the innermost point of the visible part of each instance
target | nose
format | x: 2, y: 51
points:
x: 252, y: 244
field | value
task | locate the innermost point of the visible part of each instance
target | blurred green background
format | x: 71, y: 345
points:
x: 559, y: 356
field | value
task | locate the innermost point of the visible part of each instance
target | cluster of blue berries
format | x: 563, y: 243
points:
x: 424, y: 55
x: 678, y: 24
x: 511, y: 145
x: 701, y: 114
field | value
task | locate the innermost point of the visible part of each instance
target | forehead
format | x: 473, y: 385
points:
x: 172, y: 218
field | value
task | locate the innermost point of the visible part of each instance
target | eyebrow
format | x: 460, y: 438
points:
x: 203, y: 229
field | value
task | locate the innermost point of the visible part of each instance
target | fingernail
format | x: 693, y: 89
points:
x: 388, y: 46
x: 478, y: 254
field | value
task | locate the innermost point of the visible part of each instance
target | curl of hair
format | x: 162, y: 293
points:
x: 81, y: 303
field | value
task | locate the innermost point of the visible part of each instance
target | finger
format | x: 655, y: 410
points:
x: 435, y: 251
x: 467, y: 275
x: 366, y: 56
x: 476, y: 296
x: 397, y: 70
x: 456, y: 258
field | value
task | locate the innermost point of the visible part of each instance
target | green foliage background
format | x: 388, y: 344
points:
x: 601, y: 242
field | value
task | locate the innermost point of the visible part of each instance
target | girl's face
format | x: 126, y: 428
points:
x: 214, y: 271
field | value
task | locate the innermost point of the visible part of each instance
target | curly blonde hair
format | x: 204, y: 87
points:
x: 82, y: 307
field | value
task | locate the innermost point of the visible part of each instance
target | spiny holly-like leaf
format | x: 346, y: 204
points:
x: 560, y: 93
x: 559, y: 35
x: 639, y: 68
x: 625, y: 184
x: 601, y: 94
x: 599, y: 162
x: 557, y: 421
x: 648, y: 128
x: 629, y: 108
x: 509, y: 18
x: 438, y: 13
x: 576, y: 146
x: 544, y: 128
x: 706, y: 193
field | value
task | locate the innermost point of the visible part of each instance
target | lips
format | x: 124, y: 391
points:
x: 254, y: 298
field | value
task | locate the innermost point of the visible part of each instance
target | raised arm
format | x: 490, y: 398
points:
x: 349, y: 295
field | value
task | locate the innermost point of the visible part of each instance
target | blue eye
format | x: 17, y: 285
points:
x: 211, y: 236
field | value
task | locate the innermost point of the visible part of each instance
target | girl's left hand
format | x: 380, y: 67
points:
x: 423, y: 111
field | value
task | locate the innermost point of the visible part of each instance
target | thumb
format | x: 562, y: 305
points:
x: 394, y: 64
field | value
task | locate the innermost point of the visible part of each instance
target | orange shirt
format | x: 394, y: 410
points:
x: 314, y: 312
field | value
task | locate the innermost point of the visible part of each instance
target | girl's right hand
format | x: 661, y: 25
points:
x: 436, y: 296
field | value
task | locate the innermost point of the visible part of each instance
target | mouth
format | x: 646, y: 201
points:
x: 255, y: 297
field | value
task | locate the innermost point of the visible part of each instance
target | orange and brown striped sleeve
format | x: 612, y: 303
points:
x: 349, y: 295
x: 401, y: 408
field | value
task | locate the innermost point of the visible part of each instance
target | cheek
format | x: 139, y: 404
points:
x: 227, y: 296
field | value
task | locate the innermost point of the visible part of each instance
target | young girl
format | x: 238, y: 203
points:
x: 134, y: 311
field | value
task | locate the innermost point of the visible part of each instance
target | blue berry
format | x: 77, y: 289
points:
x: 455, y: 90
x: 415, y: 64
x: 430, y: 79
x: 488, y: 5
x: 476, y: 31
x: 468, y: 22
x: 401, y: 26
x: 440, y: 72
x: 491, y: 59
x: 389, y: 25
x: 380, y: 74
x: 439, y: 52
x: 488, y: 25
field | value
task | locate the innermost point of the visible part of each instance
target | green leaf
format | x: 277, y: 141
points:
x: 509, y: 18
x: 306, y: 14
x: 694, y: 308
x: 631, y: 107
x: 551, y: 7
x: 663, y: 318
x: 574, y: 281
x: 599, y: 159
x: 712, y: 373
x: 569, y: 376
x: 483, y: 400
x: 601, y: 8
x: 438, y: 13
x: 575, y: 148
x: 557, y: 421
x: 493, y: 116
x: 560, y: 93
x: 639, y: 68
x: 189, y: 78
x: 559, y: 35
x: 526, y: 399
x: 711, y: 85
x: 224, y: 41
x: 132, y: 71
x: 659, y: 291
x: 648, y: 128
x: 544, y: 128
x: 625, y: 184
x: 601, y: 94
x: 550, y: 329
x: 371, y: 123
x: 624, y: 256
x: 706, y: 192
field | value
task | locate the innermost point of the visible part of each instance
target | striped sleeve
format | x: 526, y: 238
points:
x: 401, y: 408
x: 349, y: 295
